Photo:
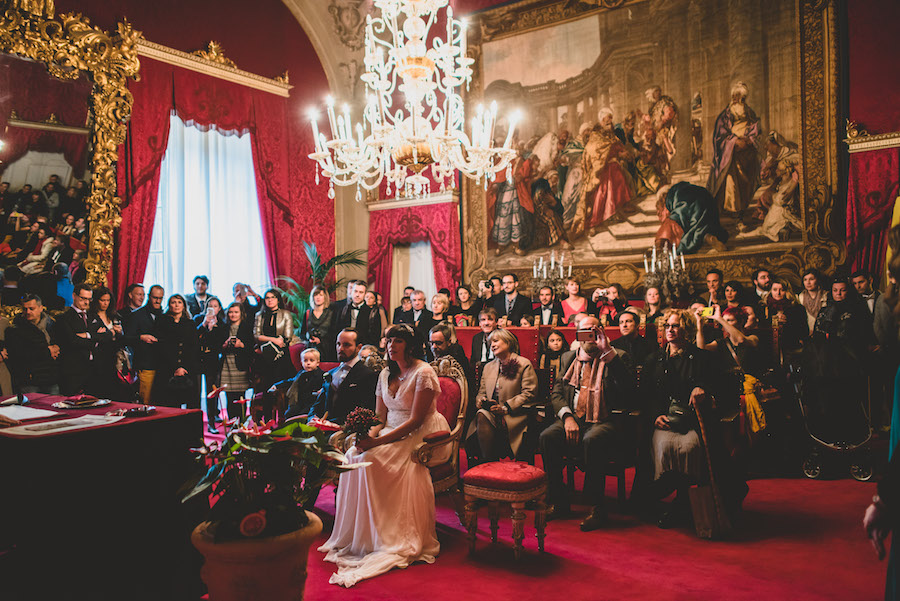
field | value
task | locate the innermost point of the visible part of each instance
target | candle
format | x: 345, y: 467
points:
x: 645, y: 264
x: 513, y: 120
x: 545, y: 271
x: 653, y: 260
x: 552, y: 258
x: 533, y: 268
x: 682, y: 261
x: 570, y: 269
x: 560, y: 271
x: 541, y: 264
x: 672, y: 262
x: 562, y: 258
x: 329, y: 103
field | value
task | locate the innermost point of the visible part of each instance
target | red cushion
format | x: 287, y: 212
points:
x: 295, y: 351
x: 441, y: 471
x: 449, y: 399
x: 437, y: 436
x: 505, y: 475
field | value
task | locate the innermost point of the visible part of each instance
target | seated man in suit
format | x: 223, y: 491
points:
x: 512, y: 305
x: 594, y: 381
x: 550, y: 311
x: 418, y: 312
x: 481, y: 348
x: 442, y: 342
x: 715, y: 290
x: 637, y: 348
x: 349, y: 385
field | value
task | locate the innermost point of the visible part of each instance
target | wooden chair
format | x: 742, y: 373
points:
x: 452, y: 405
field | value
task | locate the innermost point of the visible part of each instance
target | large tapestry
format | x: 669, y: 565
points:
x: 703, y: 124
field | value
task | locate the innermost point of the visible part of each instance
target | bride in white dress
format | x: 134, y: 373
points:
x: 385, y: 511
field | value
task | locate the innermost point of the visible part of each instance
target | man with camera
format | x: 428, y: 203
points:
x: 594, y: 382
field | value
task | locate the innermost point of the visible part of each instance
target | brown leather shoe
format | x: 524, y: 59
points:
x: 596, y: 520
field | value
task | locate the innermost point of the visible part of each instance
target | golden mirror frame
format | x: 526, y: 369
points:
x: 823, y: 245
x: 69, y: 45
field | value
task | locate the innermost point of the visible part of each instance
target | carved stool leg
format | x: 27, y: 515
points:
x: 518, y: 523
x: 494, y: 514
x: 540, y: 521
x: 471, y: 520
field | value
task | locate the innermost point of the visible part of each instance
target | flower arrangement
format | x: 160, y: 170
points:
x: 262, y: 476
x: 359, y: 421
x: 509, y: 369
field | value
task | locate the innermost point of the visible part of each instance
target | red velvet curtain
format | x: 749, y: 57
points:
x: 202, y: 101
x: 19, y: 140
x: 872, y: 190
x: 436, y: 223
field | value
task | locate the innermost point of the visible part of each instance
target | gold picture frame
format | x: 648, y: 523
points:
x: 69, y: 45
x: 818, y: 79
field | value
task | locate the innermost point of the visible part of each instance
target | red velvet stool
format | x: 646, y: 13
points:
x: 513, y: 482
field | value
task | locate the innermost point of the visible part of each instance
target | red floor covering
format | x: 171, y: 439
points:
x: 798, y: 539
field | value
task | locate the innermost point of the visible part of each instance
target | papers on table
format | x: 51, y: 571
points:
x: 63, y: 425
x: 18, y: 413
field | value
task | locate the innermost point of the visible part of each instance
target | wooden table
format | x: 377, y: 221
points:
x: 94, y: 513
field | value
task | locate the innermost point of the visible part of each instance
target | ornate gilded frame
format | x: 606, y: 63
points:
x: 822, y: 246
x: 69, y: 45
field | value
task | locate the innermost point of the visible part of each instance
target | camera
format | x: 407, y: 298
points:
x: 315, y: 333
x: 230, y: 342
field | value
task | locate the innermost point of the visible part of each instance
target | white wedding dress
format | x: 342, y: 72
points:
x: 385, y: 511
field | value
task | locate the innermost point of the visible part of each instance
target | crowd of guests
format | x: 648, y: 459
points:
x: 43, y: 240
x: 668, y: 361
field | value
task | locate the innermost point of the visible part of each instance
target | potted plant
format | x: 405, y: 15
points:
x: 257, y: 535
x: 319, y: 271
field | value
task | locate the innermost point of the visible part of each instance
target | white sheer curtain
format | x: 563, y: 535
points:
x: 207, y: 219
x: 412, y: 265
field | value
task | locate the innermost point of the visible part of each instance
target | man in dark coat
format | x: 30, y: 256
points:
x: 355, y: 314
x: 637, y: 347
x: 399, y: 310
x: 550, y: 311
x: 78, y: 333
x: 32, y: 349
x: 512, y: 305
x: 349, y: 385
x: 584, y: 423
x: 139, y: 336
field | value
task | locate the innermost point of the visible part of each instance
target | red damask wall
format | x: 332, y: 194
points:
x: 262, y: 37
x: 873, y: 63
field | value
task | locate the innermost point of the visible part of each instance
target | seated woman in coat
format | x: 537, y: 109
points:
x: 676, y: 386
x: 508, y: 382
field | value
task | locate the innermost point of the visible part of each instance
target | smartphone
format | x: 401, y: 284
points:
x: 210, y: 311
x: 707, y: 311
x: 585, y: 335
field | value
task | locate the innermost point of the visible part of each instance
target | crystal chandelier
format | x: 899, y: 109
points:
x: 398, y: 139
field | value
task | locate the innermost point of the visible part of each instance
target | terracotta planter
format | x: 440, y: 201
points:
x: 272, y: 568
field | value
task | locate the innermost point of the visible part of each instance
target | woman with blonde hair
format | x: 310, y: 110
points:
x: 317, y: 323
x: 508, y: 383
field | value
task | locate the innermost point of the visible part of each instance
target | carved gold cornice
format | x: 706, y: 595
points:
x: 69, y: 46
x: 215, y: 53
x: 213, y: 68
x: 859, y: 140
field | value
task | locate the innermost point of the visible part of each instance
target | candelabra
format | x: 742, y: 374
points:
x: 398, y: 144
x: 666, y: 272
x: 544, y: 273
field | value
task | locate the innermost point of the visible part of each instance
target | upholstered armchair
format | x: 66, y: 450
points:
x: 452, y: 405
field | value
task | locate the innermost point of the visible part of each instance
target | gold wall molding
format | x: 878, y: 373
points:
x: 402, y: 203
x: 213, y: 68
x: 68, y: 46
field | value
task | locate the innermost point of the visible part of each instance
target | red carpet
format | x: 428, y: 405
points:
x: 798, y: 539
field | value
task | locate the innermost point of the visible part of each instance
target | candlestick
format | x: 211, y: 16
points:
x: 653, y: 260
x: 545, y: 271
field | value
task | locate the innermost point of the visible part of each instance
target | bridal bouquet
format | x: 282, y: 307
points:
x: 359, y: 421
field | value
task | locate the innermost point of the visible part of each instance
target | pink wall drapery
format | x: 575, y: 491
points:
x: 871, y: 192
x: 436, y: 223
x: 205, y: 101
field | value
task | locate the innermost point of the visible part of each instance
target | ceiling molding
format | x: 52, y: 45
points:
x: 405, y: 202
x: 865, y: 143
x: 211, y: 68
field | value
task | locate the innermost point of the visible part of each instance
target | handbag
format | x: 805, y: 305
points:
x: 271, y: 352
x: 753, y: 397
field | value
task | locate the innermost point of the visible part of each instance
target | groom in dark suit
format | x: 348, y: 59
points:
x: 349, y: 385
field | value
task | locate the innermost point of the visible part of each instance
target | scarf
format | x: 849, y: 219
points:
x: 813, y: 303
x: 591, y: 403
